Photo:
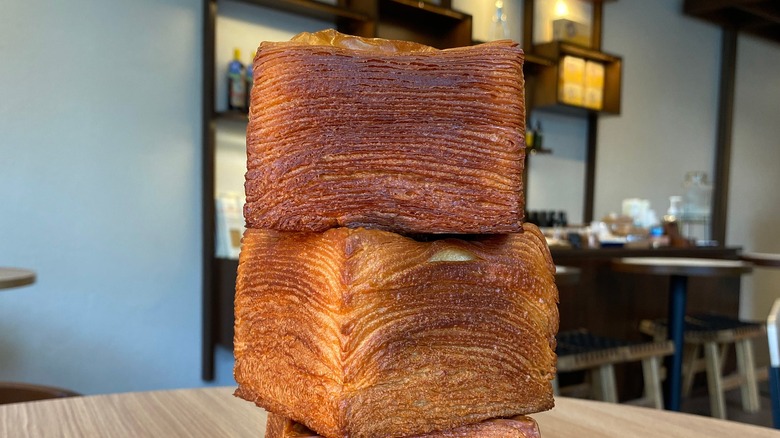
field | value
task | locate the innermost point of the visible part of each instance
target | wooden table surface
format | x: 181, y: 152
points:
x: 681, y: 266
x: 214, y: 412
x: 15, y: 277
x: 762, y: 259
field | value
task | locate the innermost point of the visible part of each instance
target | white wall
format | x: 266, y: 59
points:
x: 482, y: 13
x: 669, y: 103
x: 754, y: 198
x: 557, y: 181
x: 668, y: 126
x: 99, y: 187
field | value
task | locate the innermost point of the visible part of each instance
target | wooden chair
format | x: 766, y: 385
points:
x: 581, y: 350
x: 715, y: 334
x: 12, y: 392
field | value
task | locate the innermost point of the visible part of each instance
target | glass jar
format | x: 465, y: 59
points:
x: 698, y: 196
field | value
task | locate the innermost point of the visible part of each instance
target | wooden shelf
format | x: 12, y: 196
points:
x: 757, y: 17
x: 533, y: 62
x: 554, y: 50
x: 433, y: 10
x: 542, y: 151
x: 422, y: 22
x: 312, y: 8
x: 234, y: 116
x: 546, y: 89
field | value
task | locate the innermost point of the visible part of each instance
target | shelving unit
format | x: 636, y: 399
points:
x: 547, y: 89
x: 542, y: 88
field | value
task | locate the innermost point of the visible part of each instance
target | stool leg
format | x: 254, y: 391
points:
x: 555, y: 387
x: 747, y: 371
x: 691, y: 359
x: 652, y: 376
x: 714, y: 383
x: 604, y: 383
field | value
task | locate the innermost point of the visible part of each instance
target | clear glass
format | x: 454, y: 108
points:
x: 500, y: 26
x: 697, y: 201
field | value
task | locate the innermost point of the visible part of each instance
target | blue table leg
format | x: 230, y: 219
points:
x: 678, y: 289
x: 774, y: 393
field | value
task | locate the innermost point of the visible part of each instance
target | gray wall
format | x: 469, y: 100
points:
x: 100, y: 172
x: 100, y: 193
x: 754, y: 196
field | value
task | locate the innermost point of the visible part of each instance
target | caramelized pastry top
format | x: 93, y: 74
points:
x: 355, y: 132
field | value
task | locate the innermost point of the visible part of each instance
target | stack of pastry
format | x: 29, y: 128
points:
x: 387, y: 286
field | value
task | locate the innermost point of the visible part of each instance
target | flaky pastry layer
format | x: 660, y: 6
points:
x: 367, y: 333
x: 354, y: 132
x: 518, y: 427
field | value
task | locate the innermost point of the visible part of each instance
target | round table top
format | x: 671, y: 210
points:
x: 15, y: 277
x: 681, y: 266
x: 761, y: 259
x: 214, y: 412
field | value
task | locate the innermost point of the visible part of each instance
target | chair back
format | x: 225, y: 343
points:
x: 12, y: 392
x: 773, y: 330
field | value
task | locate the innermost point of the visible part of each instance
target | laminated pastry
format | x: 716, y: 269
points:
x: 367, y: 333
x: 517, y: 427
x: 354, y: 132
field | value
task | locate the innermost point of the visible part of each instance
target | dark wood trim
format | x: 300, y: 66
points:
x: 207, y: 191
x: 720, y: 192
x: 593, y: 122
x: 311, y: 8
x: 597, y: 27
x: 590, y: 167
x: 528, y: 26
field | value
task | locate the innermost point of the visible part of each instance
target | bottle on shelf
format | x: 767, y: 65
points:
x: 249, y: 82
x: 236, y: 83
x: 500, y: 26
x: 538, y: 137
x: 529, y: 137
x: 671, y: 224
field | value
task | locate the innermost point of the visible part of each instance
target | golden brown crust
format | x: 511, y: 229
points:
x: 383, y: 134
x: 363, y: 333
x: 335, y: 39
x: 517, y: 427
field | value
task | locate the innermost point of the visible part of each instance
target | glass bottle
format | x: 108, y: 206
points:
x: 698, y: 196
x: 500, y: 26
x: 236, y: 85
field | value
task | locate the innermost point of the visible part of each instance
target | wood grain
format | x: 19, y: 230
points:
x: 214, y: 412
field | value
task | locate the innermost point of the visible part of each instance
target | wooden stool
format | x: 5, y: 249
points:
x: 12, y: 392
x: 581, y: 350
x: 714, y: 333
